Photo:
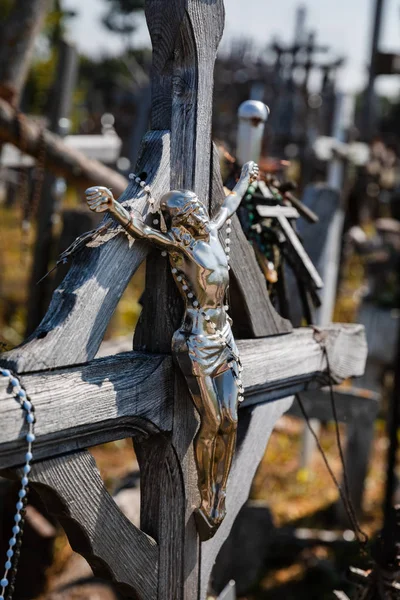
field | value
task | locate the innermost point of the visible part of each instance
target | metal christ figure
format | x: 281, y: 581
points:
x: 203, y: 345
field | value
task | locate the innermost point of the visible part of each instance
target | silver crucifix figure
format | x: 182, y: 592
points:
x: 203, y: 346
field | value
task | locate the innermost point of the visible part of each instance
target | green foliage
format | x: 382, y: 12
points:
x: 121, y: 15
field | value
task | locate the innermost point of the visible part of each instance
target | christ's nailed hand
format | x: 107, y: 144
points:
x: 251, y: 171
x: 99, y: 199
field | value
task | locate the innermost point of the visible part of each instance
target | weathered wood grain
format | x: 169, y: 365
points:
x: 186, y: 421
x: 89, y: 404
x: 302, y: 360
x: 162, y: 509
x: 164, y: 22
x: 122, y: 395
x: 255, y: 427
x: 74, y: 493
x: 185, y: 35
x: 82, y: 305
x: 202, y: 34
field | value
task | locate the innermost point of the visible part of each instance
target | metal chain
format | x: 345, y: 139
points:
x: 344, y: 494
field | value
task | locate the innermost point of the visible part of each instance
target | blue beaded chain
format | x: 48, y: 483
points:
x: 21, y: 397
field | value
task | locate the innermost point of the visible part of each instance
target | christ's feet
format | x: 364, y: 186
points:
x: 219, y: 511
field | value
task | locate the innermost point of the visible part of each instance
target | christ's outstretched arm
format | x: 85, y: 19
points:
x: 101, y: 199
x: 231, y: 203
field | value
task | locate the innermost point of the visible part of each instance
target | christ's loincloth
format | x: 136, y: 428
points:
x: 209, y: 353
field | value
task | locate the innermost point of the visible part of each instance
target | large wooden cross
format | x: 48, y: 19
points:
x: 81, y: 401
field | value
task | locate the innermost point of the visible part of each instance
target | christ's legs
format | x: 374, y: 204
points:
x: 205, y: 399
x: 227, y: 393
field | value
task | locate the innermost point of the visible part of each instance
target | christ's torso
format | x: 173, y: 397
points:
x: 201, y: 273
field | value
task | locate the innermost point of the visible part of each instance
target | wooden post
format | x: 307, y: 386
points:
x: 17, y: 44
x: 369, y: 112
x: 185, y: 36
x: 330, y: 260
x: 344, y: 116
x: 39, y: 294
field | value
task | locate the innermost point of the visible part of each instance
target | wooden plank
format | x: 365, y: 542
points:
x: 90, y: 404
x: 164, y: 504
x: 272, y: 212
x: 185, y: 36
x: 304, y: 264
x: 81, y: 307
x: 74, y: 493
x: 122, y: 395
x: 302, y: 361
x: 186, y: 421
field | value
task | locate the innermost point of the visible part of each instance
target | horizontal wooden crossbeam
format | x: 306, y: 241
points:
x: 131, y: 393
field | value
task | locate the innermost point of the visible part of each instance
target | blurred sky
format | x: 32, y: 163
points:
x: 344, y: 25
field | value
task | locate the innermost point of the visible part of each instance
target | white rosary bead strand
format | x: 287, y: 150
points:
x: 21, y: 397
x: 146, y: 188
x: 227, y: 240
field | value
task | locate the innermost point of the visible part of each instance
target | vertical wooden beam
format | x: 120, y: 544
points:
x: 369, y: 114
x: 39, y: 294
x: 185, y: 36
x: 162, y: 509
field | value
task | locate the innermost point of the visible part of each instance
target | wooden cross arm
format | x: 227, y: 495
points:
x: 279, y: 366
x: 132, y: 393
x: 81, y: 406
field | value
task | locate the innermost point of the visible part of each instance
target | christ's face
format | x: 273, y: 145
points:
x: 197, y: 222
